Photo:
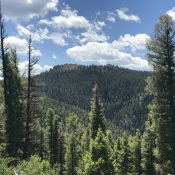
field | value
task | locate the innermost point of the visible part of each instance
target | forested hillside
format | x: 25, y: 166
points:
x: 122, y: 91
x: 83, y: 120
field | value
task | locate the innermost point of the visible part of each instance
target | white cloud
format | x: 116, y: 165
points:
x: 21, y: 45
x: 172, y: 13
x: 58, y: 39
x: 68, y: 19
x: 91, y: 35
x: 111, y: 17
x: 26, y: 9
x: 113, y: 53
x: 37, y: 68
x: 98, y: 25
x: 23, y: 68
x: 122, y: 15
x: 133, y: 43
x: 54, y: 56
x: 39, y: 35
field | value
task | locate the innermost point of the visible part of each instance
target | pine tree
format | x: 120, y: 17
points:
x: 12, y: 94
x: 96, y: 117
x: 2, y: 122
x: 72, y: 154
x: 148, y: 146
x: 32, y: 108
x: 14, y: 108
x: 161, y: 87
x: 52, y: 124
x: 98, y: 161
x: 123, y: 162
x: 137, y: 155
x: 61, y: 149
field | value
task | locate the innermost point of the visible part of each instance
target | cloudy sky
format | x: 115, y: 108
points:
x: 84, y: 32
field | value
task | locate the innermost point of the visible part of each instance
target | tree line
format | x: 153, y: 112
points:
x: 34, y: 143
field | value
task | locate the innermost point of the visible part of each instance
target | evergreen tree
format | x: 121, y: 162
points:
x: 137, y: 155
x: 123, y: 162
x: 161, y: 87
x: 61, y: 149
x: 14, y: 107
x: 12, y: 95
x: 148, y: 146
x: 52, y: 121
x: 55, y: 140
x: 32, y: 135
x: 98, y: 161
x: 50, y: 118
x: 72, y: 154
x: 2, y: 122
x: 96, y: 117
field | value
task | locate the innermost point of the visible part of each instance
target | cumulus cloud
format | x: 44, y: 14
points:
x: 172, y: 13
x: 21, y: 45
x: 67, y: 19
x: 58, y: 39
x: 113, y: 53
x: 91, y: 35
x: 133, y: 43
x: 27, y: 9
x: 37, y: 68
x: 23, y: 68
x: 41, y: 35
x: 122, y: 14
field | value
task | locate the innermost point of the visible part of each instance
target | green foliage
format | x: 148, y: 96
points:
x: 123, y: 161
x: 96, y: 118
x: 161, y: 87
x: 97, y: 161
x: 52, y: 124
x: 74, y: 144
x: 36, y: 166
x: 2, y: 118
x: 4, y: 168
x: 121, y: 91
x: 136, y: 153
x: 72, y: 140
x: 14, y: 107
x: 148, y: 146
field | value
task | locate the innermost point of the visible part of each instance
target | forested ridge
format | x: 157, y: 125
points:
x: 122, y: 91
x: 63, y: 122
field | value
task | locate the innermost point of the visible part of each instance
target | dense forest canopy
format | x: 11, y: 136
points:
x: 89, y: 120
x: 121, y: 91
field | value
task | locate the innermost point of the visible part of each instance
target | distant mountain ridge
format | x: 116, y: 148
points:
x: 121, y: 91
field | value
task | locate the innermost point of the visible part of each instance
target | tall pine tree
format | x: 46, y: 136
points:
x: 137, y: 154
x: 32, y: 137
x: 96, y: 117
x: 72, y: 140
x: 161, y: 87
x: 12, y: 95
x: 148, y: 147
x: 52, y: 136
x: 123, y: 162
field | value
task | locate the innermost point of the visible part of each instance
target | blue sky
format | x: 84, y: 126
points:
x: 84, y: 32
